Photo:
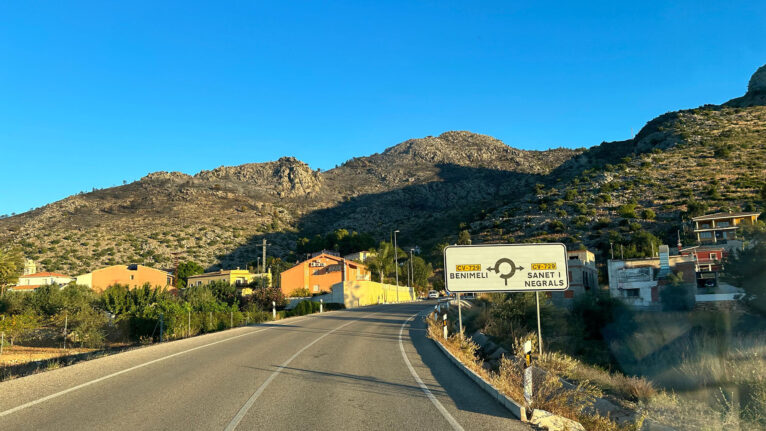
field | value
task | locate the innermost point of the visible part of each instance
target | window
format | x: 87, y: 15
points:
x: 131, y: 276
x: 723, y: 224
x: 632, y: 293
x: 706, y: 235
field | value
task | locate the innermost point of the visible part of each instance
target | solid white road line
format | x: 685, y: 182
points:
x: 243, y: 411
x: 455, y: 425
x: 101, y: 379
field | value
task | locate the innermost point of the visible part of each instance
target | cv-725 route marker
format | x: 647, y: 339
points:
x: 507, y: 268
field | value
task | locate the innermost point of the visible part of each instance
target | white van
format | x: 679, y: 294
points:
x: 432, y: 294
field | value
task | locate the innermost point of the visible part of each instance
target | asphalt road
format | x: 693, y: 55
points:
x: 366, y: 368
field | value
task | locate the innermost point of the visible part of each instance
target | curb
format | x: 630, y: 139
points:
x: 517, y: 410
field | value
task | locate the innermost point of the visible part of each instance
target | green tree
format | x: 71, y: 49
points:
x: 19, y: 327
x: 187, y: 269
x: 695, y: 208
x: 11, y: 267
x: 464, y: 237
x: 422, y: 272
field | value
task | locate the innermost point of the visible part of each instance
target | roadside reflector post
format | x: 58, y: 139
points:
x: 528, y: 352
x: 320, y: 305
x: 444, y: 319
x: 528, y: 385
x: 459, y: 315
x: 274, y: 309
x: 231, y: 319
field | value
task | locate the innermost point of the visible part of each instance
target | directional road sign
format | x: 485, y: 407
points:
x: 506, y: 268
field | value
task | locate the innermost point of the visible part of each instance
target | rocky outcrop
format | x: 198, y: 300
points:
x: 756, y: 91
x: 286, y: 177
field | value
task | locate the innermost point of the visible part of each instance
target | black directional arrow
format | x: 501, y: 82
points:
x: 507, y: 275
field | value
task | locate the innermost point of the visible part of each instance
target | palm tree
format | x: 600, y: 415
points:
x: 11, y: 266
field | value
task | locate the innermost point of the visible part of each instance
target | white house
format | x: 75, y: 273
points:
x: 29, y: 282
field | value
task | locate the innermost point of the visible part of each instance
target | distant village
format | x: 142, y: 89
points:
x: 329, y: 277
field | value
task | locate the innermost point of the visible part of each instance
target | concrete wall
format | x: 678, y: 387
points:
x: 360, y: 293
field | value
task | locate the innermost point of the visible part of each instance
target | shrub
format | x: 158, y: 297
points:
x: 300, y: 293
x: 556, y: 226
x: 602, y: 222
x: 627, y: 211
x: 330, y: 306
x: 304, y: 307
x: 648, y: 214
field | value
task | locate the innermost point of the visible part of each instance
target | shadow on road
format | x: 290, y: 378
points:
x: 463, y: 391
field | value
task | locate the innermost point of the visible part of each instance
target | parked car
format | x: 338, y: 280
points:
x: 432, y: 294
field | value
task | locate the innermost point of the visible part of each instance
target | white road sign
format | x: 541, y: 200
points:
x: 506, y: 268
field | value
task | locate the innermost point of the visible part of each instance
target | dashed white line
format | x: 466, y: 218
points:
x: 249, y: 403
x: 115, y: 374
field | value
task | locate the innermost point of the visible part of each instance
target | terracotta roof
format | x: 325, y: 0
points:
x: 725, y: 215
x: 339, y: 259
x: 45, y: 274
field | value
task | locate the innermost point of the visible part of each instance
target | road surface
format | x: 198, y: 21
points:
x: 366, y: 368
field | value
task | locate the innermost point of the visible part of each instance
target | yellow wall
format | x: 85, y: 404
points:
x: 227, y: 276
x: 361, y: 293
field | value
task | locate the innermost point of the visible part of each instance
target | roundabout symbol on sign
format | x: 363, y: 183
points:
x: 507, y: 273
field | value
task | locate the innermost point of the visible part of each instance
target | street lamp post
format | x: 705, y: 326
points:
x: 396, y: 266
x: 412, y: 270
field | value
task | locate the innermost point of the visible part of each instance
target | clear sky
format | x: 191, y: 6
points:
x: 94, y: 93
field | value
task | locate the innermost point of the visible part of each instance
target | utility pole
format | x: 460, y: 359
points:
x: 66, y: 321
x: 175, y: 255
x: 263, y: 261
x: 396, y: 266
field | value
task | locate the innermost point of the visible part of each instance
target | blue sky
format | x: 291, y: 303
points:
x: 94, y: 93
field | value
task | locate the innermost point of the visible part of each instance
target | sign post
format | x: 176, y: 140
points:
x: 507, y: 268
x: 459, y: 315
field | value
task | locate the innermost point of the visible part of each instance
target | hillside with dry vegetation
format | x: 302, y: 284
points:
x: 635, y: 193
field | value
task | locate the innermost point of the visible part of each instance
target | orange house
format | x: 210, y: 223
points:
x: 131, y: 275
x: 319, y: 273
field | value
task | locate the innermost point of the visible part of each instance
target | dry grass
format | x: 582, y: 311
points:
x: 15, y: 355
x: 551, y: 394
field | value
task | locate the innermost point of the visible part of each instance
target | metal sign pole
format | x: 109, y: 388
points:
x: 539, y: 331
x: 459, y: 315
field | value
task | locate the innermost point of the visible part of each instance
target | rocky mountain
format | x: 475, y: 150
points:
x: 428, y: 188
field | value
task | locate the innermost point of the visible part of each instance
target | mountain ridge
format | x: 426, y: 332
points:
x: 423, y: 186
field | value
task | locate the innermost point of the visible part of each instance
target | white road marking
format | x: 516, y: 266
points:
x: 243, y: 411
x: 101, y: 379
x: 454, y: 423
